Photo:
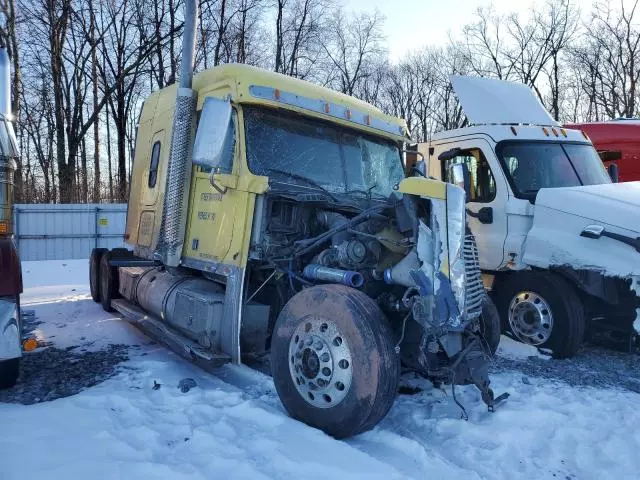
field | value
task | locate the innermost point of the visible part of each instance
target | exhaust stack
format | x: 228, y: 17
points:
x: 176, y: 196
x: 8, y: 148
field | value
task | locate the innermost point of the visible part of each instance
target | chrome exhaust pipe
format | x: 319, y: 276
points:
x: 176, y: 197
x: 8, y: 148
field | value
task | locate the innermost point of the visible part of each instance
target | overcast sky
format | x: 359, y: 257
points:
x: 411, y: 24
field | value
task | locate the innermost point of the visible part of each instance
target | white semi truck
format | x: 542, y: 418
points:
x: 558, y: 238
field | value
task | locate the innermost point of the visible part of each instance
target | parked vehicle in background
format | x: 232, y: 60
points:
x: 10, y: 268
x: 271, y: 215
x: 618, y: 143
x: 559, y: 243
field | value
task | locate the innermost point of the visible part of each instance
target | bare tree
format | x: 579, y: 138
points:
x: 300, y: 27
x: 354, y: 48
x: 612, y: 50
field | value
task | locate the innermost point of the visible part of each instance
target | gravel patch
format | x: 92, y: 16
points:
x: 52, y: 373
x: 592, y: 367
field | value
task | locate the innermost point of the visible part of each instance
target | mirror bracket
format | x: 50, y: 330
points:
x: 221, y: 182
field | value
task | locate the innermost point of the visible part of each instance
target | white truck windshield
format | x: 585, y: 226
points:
x: 531, y: 166
x: 337, y: 159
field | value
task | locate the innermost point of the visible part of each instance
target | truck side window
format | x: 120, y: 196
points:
x: 153, y: 168
x: 483, y: 185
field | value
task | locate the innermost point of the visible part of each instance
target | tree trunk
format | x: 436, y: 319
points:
x: 109, y: 160
x: 95, y: 197
x: 121, y: 131
x: 216, y: 57
x: 56, y: 38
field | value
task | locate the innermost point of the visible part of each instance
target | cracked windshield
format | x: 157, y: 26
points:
x: 310, y: 152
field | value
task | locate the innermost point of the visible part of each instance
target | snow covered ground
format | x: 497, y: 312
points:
x: 233, y: 426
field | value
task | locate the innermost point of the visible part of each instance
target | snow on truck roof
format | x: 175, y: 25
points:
x: 250, y: 84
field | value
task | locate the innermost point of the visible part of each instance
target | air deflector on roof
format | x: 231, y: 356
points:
x: 491, y: 101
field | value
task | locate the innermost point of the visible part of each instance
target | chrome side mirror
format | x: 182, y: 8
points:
x: 213, y: 145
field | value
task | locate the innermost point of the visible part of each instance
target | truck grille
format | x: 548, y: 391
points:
x: 475, y: 288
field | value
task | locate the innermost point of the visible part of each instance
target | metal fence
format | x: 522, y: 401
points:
x: 60, y: 232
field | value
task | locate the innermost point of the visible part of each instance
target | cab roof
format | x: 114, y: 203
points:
x: 499, y: 133
x: 253, y: 85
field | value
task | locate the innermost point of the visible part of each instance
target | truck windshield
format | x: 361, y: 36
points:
x: 531, y: 166
x: 336, y: 159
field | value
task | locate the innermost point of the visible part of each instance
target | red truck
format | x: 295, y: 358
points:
x: 617, y: 142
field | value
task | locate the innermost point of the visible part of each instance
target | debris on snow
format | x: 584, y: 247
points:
x: 187, y: 384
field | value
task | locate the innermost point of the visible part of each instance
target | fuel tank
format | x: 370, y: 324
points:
x: 192, y: 305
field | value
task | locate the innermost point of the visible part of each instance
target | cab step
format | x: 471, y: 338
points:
x: 177, y: 342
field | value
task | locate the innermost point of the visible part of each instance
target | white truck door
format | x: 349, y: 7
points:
x: 488, y: 196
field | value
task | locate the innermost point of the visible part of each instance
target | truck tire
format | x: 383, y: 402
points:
x: 108, y: 282
x: 333, y: 360
x: 542, y: 309
x: 489, y: 325
x: 9, y: 372
x: 94, y: 273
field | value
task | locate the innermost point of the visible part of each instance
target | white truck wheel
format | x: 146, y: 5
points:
x: 542, y: 309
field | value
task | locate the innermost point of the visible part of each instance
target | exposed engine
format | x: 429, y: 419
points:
x: 387, y: 250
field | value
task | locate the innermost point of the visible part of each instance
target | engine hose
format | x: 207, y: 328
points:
x: 334, y: 221
x: 335, y: 275
x: 304, y: 246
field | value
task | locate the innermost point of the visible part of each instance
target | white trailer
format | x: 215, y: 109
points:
x: 559, y: 240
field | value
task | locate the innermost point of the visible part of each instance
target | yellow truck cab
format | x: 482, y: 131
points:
x: 271, y: 216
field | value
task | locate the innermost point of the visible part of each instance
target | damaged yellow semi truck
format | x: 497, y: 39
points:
x: 270, y: 217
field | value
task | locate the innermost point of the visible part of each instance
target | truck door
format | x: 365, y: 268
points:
x: 220, y: 219
x: 486, y: 203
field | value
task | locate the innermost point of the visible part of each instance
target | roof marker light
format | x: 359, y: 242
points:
x: 564, y: 132
x: 546, y: 132
x: 555, y: 133
x: 513, y: 129
x: 335, y: 110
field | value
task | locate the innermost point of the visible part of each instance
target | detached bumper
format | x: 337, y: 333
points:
x: 9, y: 330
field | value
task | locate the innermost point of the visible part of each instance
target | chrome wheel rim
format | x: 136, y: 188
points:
x: 530, y: 318
x: 320, y: 363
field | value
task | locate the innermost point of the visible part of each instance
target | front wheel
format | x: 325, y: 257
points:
x: 542, y: 309
x: 333, y: 360
x: 489, y: 325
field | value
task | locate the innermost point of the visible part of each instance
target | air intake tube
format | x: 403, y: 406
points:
x: 178, y: 179
x: 335, y: 275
